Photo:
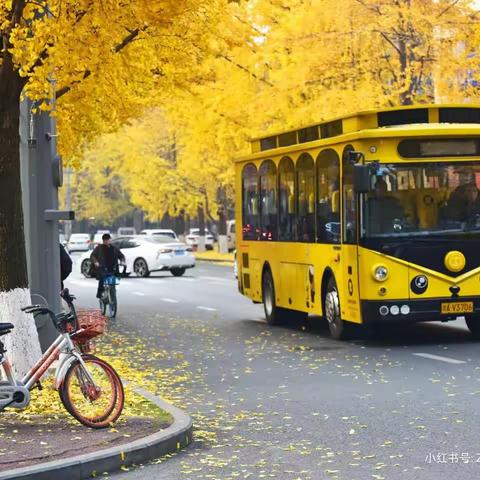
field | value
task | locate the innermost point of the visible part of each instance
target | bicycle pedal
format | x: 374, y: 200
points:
x: 39, y: 386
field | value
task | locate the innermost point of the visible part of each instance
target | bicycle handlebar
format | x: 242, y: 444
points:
x: 56, y: 320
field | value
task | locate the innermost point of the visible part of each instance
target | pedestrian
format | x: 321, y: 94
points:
x: 105, y: 259
x: 65, y: 264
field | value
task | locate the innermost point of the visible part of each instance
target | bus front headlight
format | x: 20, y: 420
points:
x: 380, y: 273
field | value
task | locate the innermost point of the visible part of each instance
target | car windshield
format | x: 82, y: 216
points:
x: 79, y: 236
x: 422, y: 199
x: 165, y: 234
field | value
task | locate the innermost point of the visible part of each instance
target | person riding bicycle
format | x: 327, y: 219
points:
x: 105, y: 258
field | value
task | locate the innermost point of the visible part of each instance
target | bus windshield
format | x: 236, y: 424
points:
x: 410, y: 200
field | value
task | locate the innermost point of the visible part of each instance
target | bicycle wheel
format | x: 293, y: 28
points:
x: 97, y: 404
x: 103, y: 300
x: 112, y: 302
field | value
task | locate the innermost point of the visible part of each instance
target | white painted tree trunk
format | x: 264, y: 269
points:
x: 201, y: 244
x: 23, y: 345
x: 222, y: 244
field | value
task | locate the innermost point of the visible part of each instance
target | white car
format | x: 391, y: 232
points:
x: 78, y: 242
x: 160, y: 231
x: 149, y: 253
x: 194, y: 235
x: 231, y: 235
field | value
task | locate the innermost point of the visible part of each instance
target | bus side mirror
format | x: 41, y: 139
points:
x: 362, y: 178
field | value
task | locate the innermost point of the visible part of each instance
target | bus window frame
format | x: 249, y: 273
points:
x: 254, y: 235
x: 306, y: 156
x: 325, y: 164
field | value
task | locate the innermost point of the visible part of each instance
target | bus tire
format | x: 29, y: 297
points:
x: 273, y: 315
x: 474, y: 327
x: 339, y: 330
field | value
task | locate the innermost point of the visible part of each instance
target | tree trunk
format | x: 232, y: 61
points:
x: 201, y: 228
x: 22, y: 344
x: 222, y: 230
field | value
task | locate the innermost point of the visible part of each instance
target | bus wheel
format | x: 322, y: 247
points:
x: 474, y: 327
x: 273, y: 314
x: 338, y: 328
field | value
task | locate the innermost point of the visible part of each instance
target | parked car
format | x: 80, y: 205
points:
x: 231, y: 235
x: 124, y: 231
x: 78, y: 242
x: 145, y: 254
x: 194, y: 235
x: 160, y: 231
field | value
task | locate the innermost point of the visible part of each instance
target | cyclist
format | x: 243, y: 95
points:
x: 106, y: 258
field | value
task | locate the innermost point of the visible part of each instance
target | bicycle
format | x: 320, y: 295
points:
x: 89, y: 388
x: 108, y: 299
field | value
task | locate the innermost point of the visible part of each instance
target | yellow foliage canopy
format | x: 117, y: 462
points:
x: 278, y: 64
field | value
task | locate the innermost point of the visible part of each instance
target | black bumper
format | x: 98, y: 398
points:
x: 428, y: 310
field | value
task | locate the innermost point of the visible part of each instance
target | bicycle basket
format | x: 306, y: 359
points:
x: 91, y: 323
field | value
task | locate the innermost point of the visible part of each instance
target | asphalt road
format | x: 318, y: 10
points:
x: 290, y: 403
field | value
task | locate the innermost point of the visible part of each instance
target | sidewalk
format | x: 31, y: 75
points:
x: 56, y: 446
x: 215, y: 256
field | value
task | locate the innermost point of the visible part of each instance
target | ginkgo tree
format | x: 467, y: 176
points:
x: 105, y: 60
x: 279, y: 64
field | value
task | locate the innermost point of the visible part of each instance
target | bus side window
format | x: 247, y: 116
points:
x: 286, y: 212
x: 250, y: 218
x: 306, y: 197
x: 268, y: 200
x: 328, y: 197
x: 349, y: 202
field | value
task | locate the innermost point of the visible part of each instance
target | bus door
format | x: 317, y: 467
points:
x: 348, y: 284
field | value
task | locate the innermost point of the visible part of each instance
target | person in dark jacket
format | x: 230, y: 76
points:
x: 105, y: 258
x: 65, y: 264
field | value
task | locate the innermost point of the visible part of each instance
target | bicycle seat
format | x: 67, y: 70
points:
x: 5, y: 328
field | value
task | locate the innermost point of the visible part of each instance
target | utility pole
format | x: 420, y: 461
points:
x: 68, y: 199
x: 42, y: 175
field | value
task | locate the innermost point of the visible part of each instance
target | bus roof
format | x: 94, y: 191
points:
x: 455, y: 119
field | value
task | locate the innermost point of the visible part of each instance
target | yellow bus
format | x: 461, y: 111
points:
x: 364, y: 219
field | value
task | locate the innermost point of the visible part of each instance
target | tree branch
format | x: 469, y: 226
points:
x: 116, y: 49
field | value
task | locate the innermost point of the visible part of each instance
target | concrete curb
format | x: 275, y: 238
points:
x: 226, y: 263
x: 176, y: 436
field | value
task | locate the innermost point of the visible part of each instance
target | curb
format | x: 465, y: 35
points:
x: 227, y: 263
x: 176, y: 436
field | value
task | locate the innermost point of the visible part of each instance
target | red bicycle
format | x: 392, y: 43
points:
x: 90, y: 389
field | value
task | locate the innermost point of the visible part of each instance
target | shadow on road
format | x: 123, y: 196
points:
x: 431, y: 333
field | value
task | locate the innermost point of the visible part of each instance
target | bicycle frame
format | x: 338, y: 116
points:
x: 62, y: 349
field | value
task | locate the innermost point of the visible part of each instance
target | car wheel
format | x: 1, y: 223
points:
x: 339, y: 329
x: 140, y: 267
x: 177, y: 272
x: 273, y: 315
x: 85, y: 268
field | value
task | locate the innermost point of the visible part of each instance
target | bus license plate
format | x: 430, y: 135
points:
x: 457, y: 307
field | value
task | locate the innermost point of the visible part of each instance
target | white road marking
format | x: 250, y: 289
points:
x: 439, y: 358
x: 208, y: 309
x: 169, y: 300
x: 140, y: 294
